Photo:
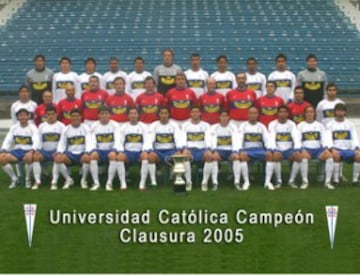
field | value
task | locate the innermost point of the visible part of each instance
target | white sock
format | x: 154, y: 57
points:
x: 63, y: 170
x: 304, y: 169
x: 94, y: 170
x: 207, y: 172
x: 356, y: 171
x: 187, y: 171
x: 10, y: 171
x: 85, y: 171
x: 329, y: 166
x: 341, y: 169
x: 277, y: 169
x: 294, y: 170
x: 143, y: 172
x: 215, y: 172
x: 269, y: 170
x: 237, y: 171
x: 245, y: 171
x: 111, y: 171
x: 55, y: 173
x: 152, y: 172
x: 121, y: 172
x: 28, y: 169
x: 37, y: 171
x: 336, y: 171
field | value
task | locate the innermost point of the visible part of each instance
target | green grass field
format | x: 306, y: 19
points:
x: 96, y: 248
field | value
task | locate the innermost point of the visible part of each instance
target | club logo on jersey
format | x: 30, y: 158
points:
x: 150, y: 109
x: 254, y: 86
x: 66, y: 114
x: 37, y: 86
x: 328, y: 113
x: 341, y: 135
x: 298, y: 118
x: 253, y: 137
x: 283, y: 137
x: 85, y: 86
x: 225, y: 84
x: 200, y: 136
x: 211, y: 108
x: 224, y: 141
x: 164, y: 138
x: 308, y: 136
x: 283, y: 83
x: 105, y: 138
x: 92, y: 104
x: 76, y: 140
x: 269, y: 111
x: 137, y: 85
x: 44, y: 118
x: 133, y: 138
x: 240, y: 104
x: 181, y: 104
x: 64, y: 84
x: 313, y: 86
x: 22, y: 140
x: 118, y: 110
x: 109, y: 85
x: 167, y: 80
x: 196, y: 83
x: 50, y: 137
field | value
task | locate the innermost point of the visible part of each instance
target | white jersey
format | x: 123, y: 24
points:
x: 133, y: 137
x: 285, y: 82
x: 224, y: 81
x: 257, y: 83
x: 195, y: 135
x: 166, y: 136
x: 136, y: 82
x: 50, y: 135
x: 30, y: 106
x: 313, y: 135
x: 283, y: 136
x: 253, y: 136
x: 196, y: 80
x: 84, y: 80
x: 343, y: 135
x: 109, y: 79
x: 104, y: 135
x: 224, y: 137
x: 325, y: 110
x: 61, y: 81
x: 75, y: 140
x: 18, y: 137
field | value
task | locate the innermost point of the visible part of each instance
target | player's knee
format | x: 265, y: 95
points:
x: 121, y: 157
x: 37, y: 156
x: 144, y: 156
x: 112, y: 156
x: 86, y: 158
x: 277, y: 156
x: 152, y: 158
x: 235, y: 157
x: 94, y: 156
x: 208, y: 156
x: 243, y: 156
x: 28, y: 158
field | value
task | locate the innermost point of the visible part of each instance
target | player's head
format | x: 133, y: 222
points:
x: 149, y: 84
x: 70, y: 91
x: 119, y: 85
x: 299, y: 94
x: 90, y: 65
x: 283, y: 113
x: 24, y: 93
x: 195, y: 113
x: 39, y: 62
x: 164, y: 114
x: 211, y: 85
x: 309, y: 113
x: 114, y: 64
x: 253, y: 114
x: 270, y: 87
x: 47, y: 97
x: 168, y: 56
x: 195, y: 61
x: 340, y: 111
x: 251, y: 64
x: 180, y: 80
x: 23, y: 115
x: 104, y: 114
x: 311, y: 62
x: 65, y: 64
x: 139, y: 64
x: 133, y: 114
x: 281, y: 60
x: 51, y: 114
x: 241, y: 80
x: 75, y: 117
x: 331, y: 91
x: 224, y: 117
x: 94, y: 83
x: 222, y: 62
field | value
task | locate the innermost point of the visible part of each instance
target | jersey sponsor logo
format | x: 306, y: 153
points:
x: 23, y: 140
x: 181, y: 104
x: 85, y: 86
x: 254, y: 86
x: 167, y: 80
x: 39, y: 85
x: 313, y: 86
x: 341, y: 135
x: 200, y: 136
x: 283, y: 137
x: 211, y: 108
x: 309, y: 136
x: 283, y: 83
x: 223, y: 140
x: 63, y: 84
x: 298, y: 118
x: 269, y: 111
x: 76, y: 140
x: 105, y: 138
x: 93, y: 104
x: 253, y: 137
x: 328, y: 113
x: 133, y: 138
x: 51, y: 137
x: 137, y: 85
x: 240, y: 104
x: 224, y: 84
x: 118, y: 110
x: 149, y: 109
x: 194, y: 83
x: 164, y: 138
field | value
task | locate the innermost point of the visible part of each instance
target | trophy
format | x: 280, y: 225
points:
x: 179, y: 171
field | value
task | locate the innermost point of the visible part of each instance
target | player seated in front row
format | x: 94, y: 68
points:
x: 24, y: 138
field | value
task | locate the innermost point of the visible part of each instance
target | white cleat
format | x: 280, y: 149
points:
x: 95, y: 187
x: 246, y: 186
x: 269, y: 186
x: 277, y: 185
x: 53, y: 187
x: 68, y: 183
x: 188, y: 186
x: 215, y: 187
x: 304, y: 185
x: 83, y: 184
x: 238, y: 187
x: 27, y: 184
x: 293, y: 185
x: 108, y: 187
x: 343, y: 179
x: 13, y: 184
x: 123, y: 187
x: 153, y: 185
x: 329, y: 186
x: 36, y: 186
x: 204, y: 187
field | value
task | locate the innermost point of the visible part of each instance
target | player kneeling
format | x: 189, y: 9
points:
x: 315, y: 142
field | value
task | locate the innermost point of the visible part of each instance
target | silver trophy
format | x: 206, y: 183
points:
x: 179, y: 171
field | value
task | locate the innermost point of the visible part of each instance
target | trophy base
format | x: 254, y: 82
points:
x: 180, y: 189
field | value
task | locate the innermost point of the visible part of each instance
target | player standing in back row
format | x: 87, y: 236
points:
x: 196, y: 77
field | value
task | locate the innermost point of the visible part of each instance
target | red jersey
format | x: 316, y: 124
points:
x: 64, y: 108
x: 268, y: 108
x: 119, y: 105
x: 180, y: 102
x: 297, y: 111
x: 211, y: 105
x: 148, y: 106
x: 40, y: 113
x: 239, y: 102
x: 92, y: 101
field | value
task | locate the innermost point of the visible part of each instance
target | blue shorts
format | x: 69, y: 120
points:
x: 18, y: 153
x: 103, y: 155
x: 255, y: 153
x: 314, y: 153
x: 165, y: 155
x: 132, y: 156
x: 47, y: 155
x: 197, y: 154
x: 287, y: 153
x: 346, y: 155
x: 74, y: 158
x: 224, y: 154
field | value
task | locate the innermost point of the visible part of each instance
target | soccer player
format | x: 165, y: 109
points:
x: 149, y: 102
x: 165, y: 73
x: 104, y: 133
x: 253, y: 140
x: 90, y: 70
x: 325, y: 108
x: 225, y: 80
x: 132, y: 147
x: 196, y: 76
x: 92, y: 100
x: 63, y: 79
x: 23, y: 137
x: 40, y: 115
x: 49, y: 134
x: 298, y: 105
x: 180, y: 99
x: 224, y: 145
x: 137, y: 77
x: 268, y: 104
x: 240, y: 100
x: 115, y: 72
x: 285, y: 80
x: 197, y: 147
x: 211, y: 103
x: 167, y: 140
x: 120, y: 102
x: 255, y: 80
x: 285, y: 143
x: 66, y: 105
x: 313, y: 80
x: 315, y: 145
x: 345, y: 143
x: 39, y: 79
x: 24, y: 102
x: 73, y: 144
